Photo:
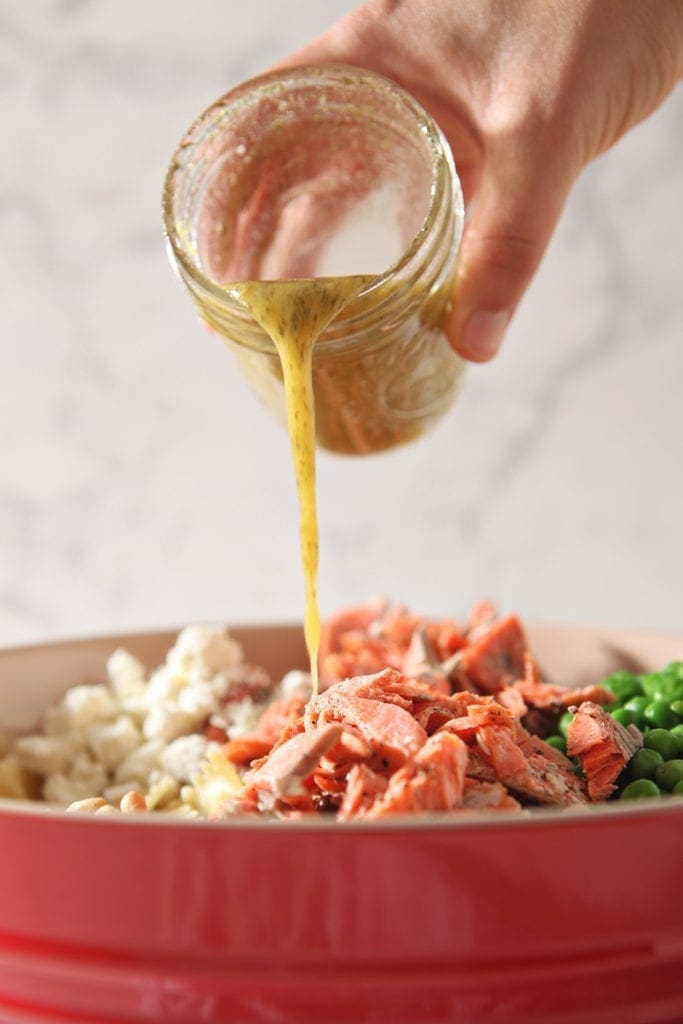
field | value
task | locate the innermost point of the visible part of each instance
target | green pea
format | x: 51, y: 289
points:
x: 678, y: 788
x: 677, y: 733
x: 565, y: 721
x: 669, y: 680
x: 669, y: 773
x: 637, y: 705
x: 623, y: 685
x: 663, y: 742
x: 650, y: 682
x: 640, y: 788
x: 667, y: 691
x: 661, y: 692
x: 677, y: 707
x: 659, y: 715
x: 664, y: 685
x: 623, y: 715
x: 558, y: 742
x: 643, y: 763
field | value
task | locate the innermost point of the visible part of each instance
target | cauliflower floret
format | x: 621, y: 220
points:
x: 87, y: 704
x: 164, y: 685
x: 167, y: 722
x: 128, y: 683
x: 240, y: 717
x: 135, y: 705
x: 111, y: 742
x: 296, y: 684
x: 139, y: 765
x: 85, y: 778
x: 202, y: 651
x: 47, y: 754
x: 200, y: 701
x: 125, y: 672
x: 184, y: 757
x: 235, y: 683
x: 105, y: 738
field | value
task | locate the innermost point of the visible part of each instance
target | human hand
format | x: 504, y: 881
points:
x: 527, y: 93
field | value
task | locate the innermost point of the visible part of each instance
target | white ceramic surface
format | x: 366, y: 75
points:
x: 141, y: 483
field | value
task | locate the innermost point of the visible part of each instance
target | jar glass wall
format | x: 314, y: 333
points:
x: 318, y: 172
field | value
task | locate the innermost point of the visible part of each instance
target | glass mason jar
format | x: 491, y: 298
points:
x: 321, y: 172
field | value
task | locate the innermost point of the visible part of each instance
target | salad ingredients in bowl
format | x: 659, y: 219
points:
x: 415, y: 715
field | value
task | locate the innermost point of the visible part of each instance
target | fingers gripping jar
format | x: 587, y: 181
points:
x: 320, y: 172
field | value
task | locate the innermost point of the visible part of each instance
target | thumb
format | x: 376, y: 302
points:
x: 516, y: 207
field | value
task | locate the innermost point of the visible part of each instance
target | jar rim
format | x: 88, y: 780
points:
x: 444, y: 174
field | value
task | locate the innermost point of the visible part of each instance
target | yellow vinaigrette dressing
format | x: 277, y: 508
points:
x: 294, y: 314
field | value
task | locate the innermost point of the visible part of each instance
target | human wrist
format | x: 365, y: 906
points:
x: 672, y: 32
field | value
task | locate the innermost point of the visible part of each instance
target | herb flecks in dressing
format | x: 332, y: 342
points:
x: 294, y: 314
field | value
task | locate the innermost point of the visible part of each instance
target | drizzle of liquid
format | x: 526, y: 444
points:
x: 294, y: 314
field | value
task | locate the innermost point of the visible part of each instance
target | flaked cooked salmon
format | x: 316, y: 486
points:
x: 363, y: 787
x: 432, y: 780
x: 603, y: 746
x: 496, y: 658
x: 428, y: 717
x: 479, y: 795
x: 244, y: 749
x: 390, y: 730
x: 545, y: 696
x: 283, y: 774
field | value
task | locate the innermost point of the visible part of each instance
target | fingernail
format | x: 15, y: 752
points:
x: 483, y: 334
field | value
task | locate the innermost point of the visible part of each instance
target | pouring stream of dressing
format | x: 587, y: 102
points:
x: 294, y: 314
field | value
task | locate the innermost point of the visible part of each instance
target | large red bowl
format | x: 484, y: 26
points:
x: 553, y: 918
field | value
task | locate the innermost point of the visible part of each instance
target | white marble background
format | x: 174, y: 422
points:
x: 140, y: 483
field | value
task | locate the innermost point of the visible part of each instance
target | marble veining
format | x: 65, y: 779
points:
x: 140, y: 482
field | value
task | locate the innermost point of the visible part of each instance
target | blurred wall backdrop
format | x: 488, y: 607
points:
x: 140, y: 482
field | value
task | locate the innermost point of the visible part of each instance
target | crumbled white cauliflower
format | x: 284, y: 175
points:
x: 111, y: 742
x: 128, y: 683
x: 47, y: 754
x: 125, y: 672
x: 87, y: 704
x: 164, y: 685
x: 166, y: 722
x: 235, y: 682
x: 239, y: 717
x: 296, y: 684
x: 200, y: 701
x: 140, y: 763
x: 183, y: 757
x: 200, y: 652
x: 84, y: 778
x: 143, y: 735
